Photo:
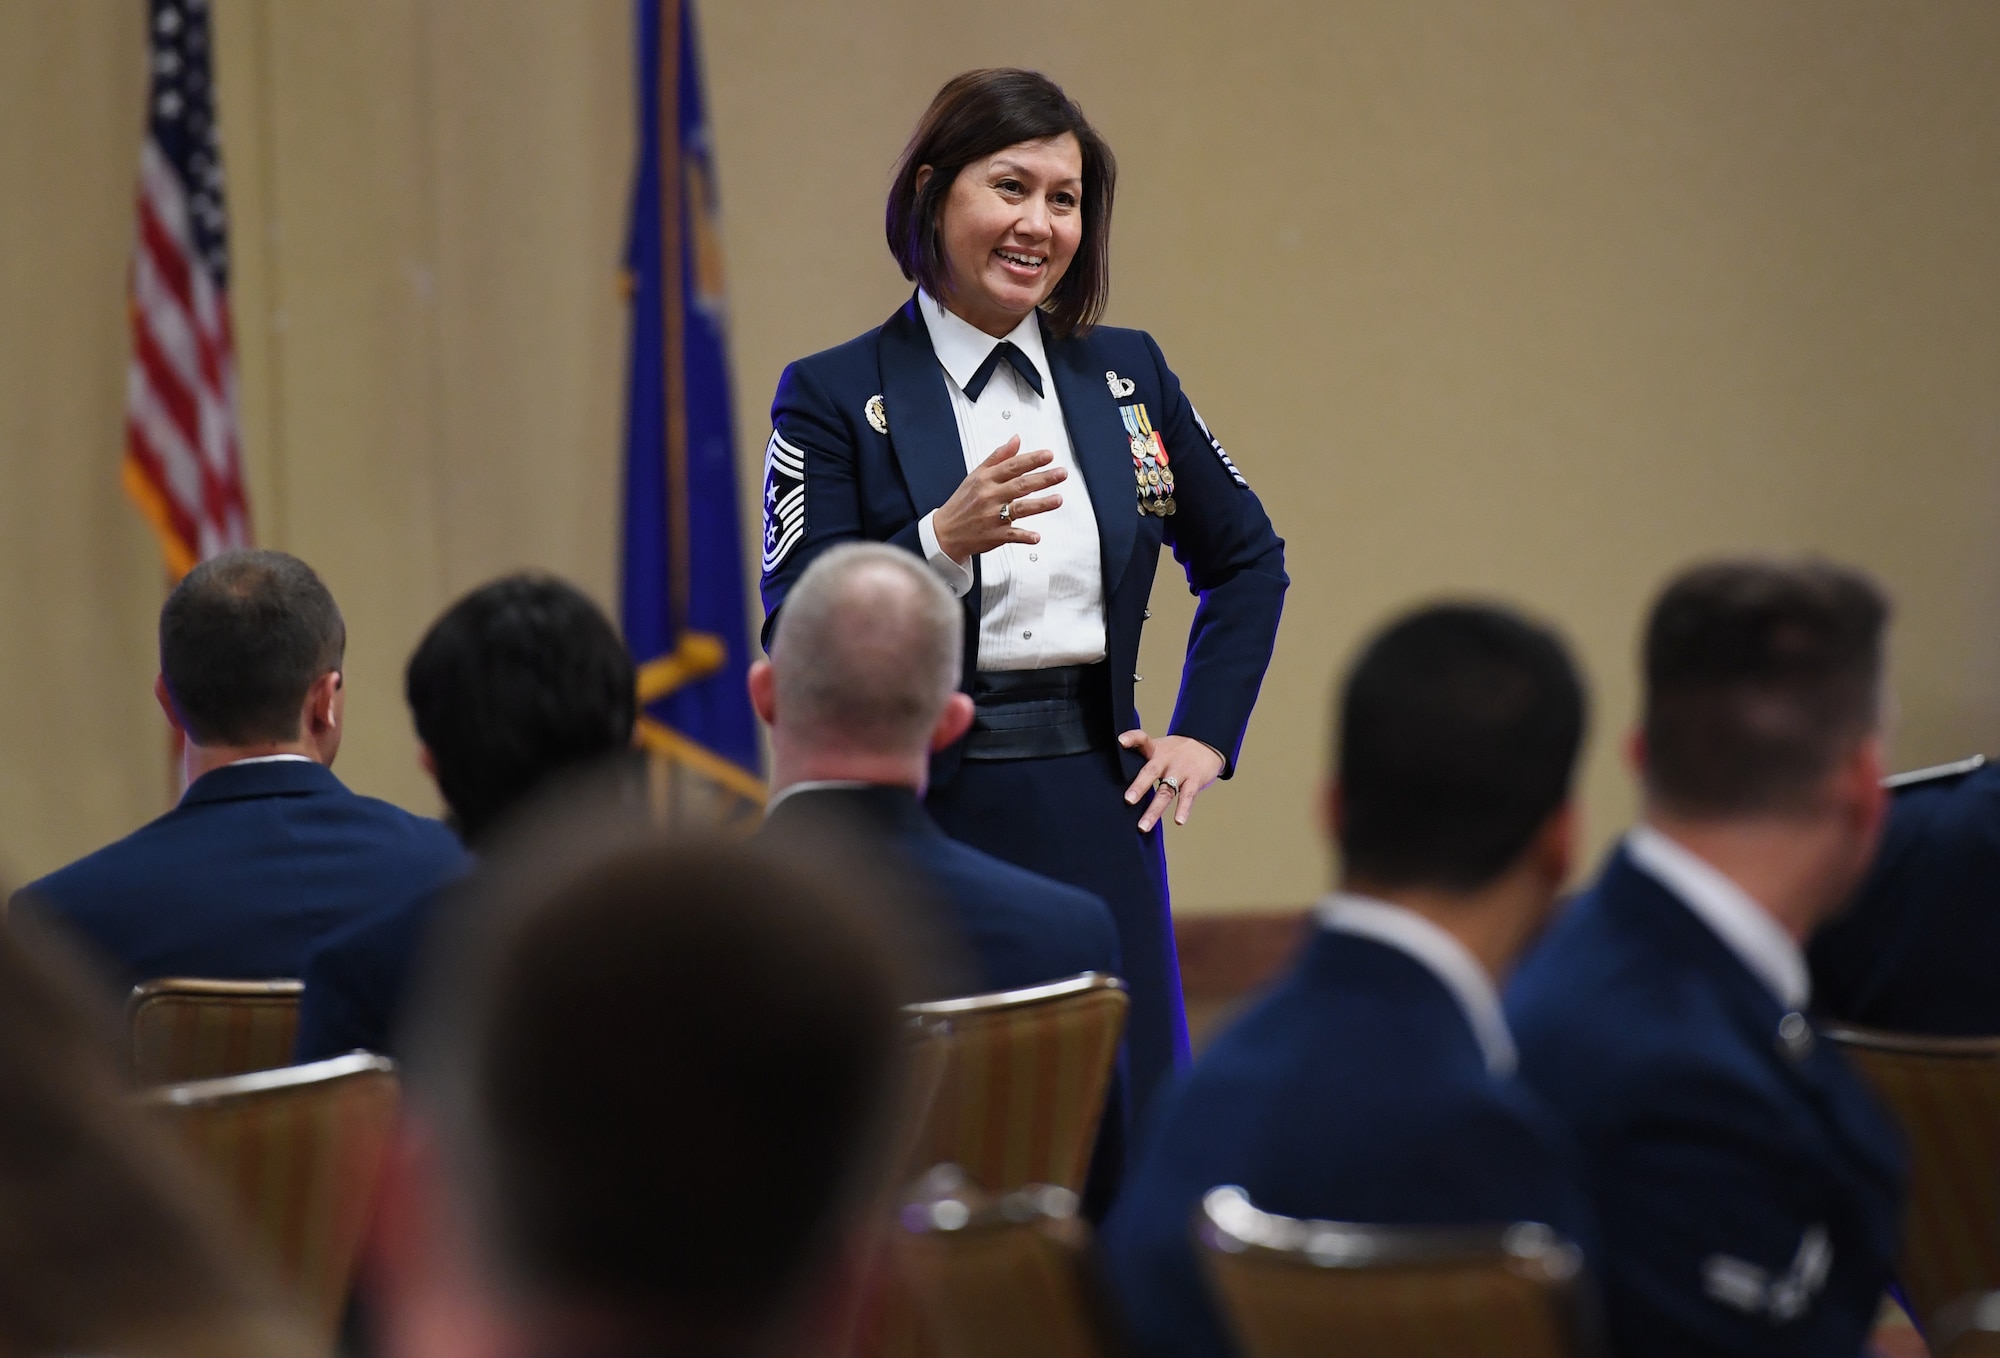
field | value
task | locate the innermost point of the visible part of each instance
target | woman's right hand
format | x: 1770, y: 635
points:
x: 969, y: 522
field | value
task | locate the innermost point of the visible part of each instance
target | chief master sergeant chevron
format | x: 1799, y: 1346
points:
x: 1745, y: 1184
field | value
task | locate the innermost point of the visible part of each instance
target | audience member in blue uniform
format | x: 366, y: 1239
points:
x: 520, y: 683
x: 1915, y: 950
x: 267, y: 852
x: 861, y: 687
x: 1376, y: 1082
x: 1746, y: 1186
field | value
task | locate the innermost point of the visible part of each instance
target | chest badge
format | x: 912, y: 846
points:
x: 878, y: 415
x: 1121, y: 387
x: 1149, y: 461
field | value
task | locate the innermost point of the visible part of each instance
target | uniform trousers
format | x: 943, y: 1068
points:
x: 1066, y: 817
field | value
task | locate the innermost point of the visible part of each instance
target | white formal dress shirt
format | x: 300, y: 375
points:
x: 1438, y: 953
x: 1731, y: 913
x: 1039, y: 605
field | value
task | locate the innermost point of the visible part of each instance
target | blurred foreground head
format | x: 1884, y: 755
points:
x: 652, y: 1093
x: 1459, y: 730
x: 864, y: 669
x: 108, y: 1241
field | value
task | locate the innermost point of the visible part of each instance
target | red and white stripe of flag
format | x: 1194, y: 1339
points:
x: 183, y: 456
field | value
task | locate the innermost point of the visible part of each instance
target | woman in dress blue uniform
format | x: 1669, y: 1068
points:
x: 1038, y: 461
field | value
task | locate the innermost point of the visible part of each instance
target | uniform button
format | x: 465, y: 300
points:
x: 1147, y: 614
x: 1138, y: 678
x: 1033, y: 556
x: 1006, y: 414
x: 1027, y: 636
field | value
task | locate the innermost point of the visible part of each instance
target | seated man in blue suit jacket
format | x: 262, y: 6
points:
x: 519, y: 684
x: 1746, y: 1186
x: 267, y: 851
x: 1915, y: 950
x: 861, y: 686
x: 1376, y: 1083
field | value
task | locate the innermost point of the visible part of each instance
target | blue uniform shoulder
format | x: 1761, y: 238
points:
x: 856, y: 362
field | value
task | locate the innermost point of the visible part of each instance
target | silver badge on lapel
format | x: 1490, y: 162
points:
x: 1121, y: 387
x: 878, y: 417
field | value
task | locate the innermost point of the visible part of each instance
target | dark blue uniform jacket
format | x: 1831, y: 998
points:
x: 256, y: 864
x: 1354, y: 1091
x: 1015, y: 927
x: 1917, y: 948
x: 358, y: 979
x: 1747, y: 1189
x: 858, y: 484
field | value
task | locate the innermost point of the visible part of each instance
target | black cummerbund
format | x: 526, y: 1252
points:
x: 1038, y: 714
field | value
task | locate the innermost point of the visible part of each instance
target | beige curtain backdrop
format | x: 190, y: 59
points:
x: 1534, y: 301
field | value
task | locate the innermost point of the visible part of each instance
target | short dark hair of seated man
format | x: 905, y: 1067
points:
x: 1747, y: 1186
x: 1375, y: 1082
x: 648, y: 1102
x: 521, y: 679
x: 860, y: 687
x: 110, y: 1242
x: 267, y: 850
x: 521, y: 684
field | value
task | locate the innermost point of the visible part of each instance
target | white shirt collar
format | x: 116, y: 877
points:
x: 267, y: 759
x: 961, y: 346
x: 1735, y: 917
x: 1439, y: 953
x: 810, y: 785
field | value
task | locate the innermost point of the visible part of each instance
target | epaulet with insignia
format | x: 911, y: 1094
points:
x: 1934, y: 775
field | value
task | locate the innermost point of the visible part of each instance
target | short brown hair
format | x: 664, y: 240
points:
x: 973, y: 116
x: 243, y: 638
x: 1760, y: 677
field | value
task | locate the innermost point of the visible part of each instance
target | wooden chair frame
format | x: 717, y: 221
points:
x: 968, y: 1016
x: 997, y: 1001
x: 1862, y: 1043
x: 323, y: 1274
x: 1071, y: 1316
x: 1228, y: 1223
x: 279, y: 993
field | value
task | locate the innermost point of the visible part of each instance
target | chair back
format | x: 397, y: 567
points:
x: 1968, y: 1327
x: 1312, y: 1289
x: 299, y: 1151
x: 1024, y: 1088
x: 183, y: 1028
x: 1944, y: 1093
x: 998, y: 1278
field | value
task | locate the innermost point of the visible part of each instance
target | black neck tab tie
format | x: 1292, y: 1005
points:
x: 1020, y: 362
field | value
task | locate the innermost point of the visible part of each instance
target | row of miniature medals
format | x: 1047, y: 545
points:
x: 1149, y: 462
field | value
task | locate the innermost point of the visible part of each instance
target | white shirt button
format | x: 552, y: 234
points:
x: 1032, y: 556
x: 1027, y: 636
x: 1006, y: 414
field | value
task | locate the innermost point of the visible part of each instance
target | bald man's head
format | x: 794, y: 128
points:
x: 867, y: 652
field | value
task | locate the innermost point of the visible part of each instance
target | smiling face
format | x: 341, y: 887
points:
x: 1011, y: 224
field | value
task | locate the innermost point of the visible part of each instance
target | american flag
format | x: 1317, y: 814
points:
x: 183, y: 460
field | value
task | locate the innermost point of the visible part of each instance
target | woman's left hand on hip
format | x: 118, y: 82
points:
x: 1177, y: 769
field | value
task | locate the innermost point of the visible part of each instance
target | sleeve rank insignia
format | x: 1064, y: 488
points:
x: 1149, y: 461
